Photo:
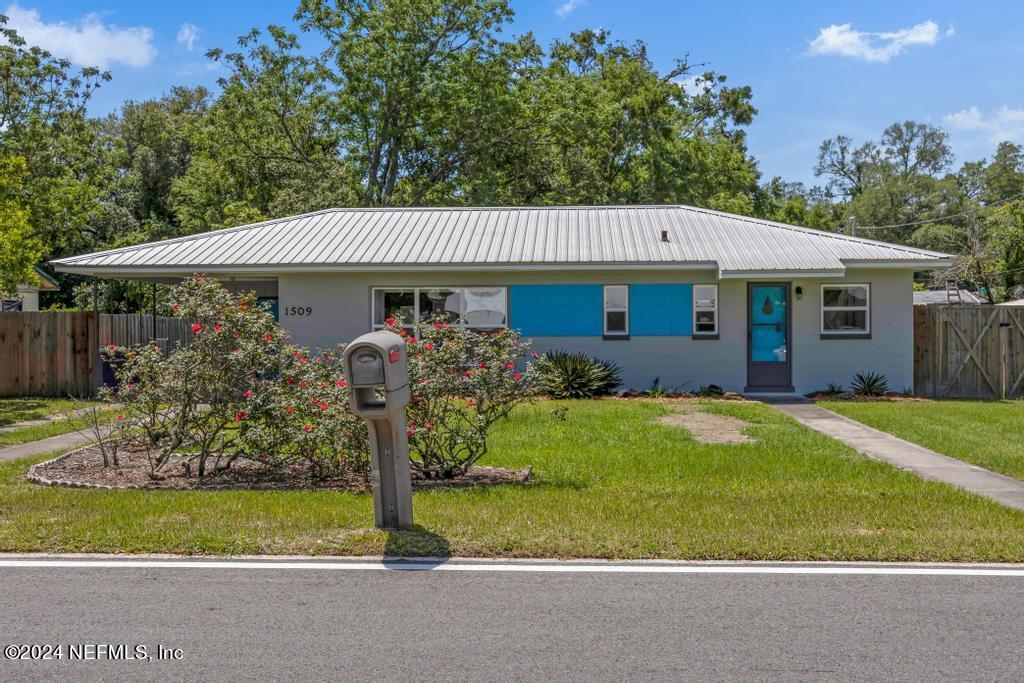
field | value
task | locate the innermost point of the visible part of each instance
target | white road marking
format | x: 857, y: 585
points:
x: 528, y: 567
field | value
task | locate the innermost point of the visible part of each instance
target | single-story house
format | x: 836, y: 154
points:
x: 685, y: 295
x: 27, y: 296
x: 1017, y: 303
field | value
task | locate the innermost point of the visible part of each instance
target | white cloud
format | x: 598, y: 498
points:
x: 845, y: 41
x: 568, y: 6
x: 1005, y: 123
x: 187, y: 35
x: 87, y: 41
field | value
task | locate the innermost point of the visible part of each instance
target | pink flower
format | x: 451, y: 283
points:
x: 302, y: 383
x: 267, y: 338
x: 196, y: 328
x: 428, y: 426
x: 323, y: 406
x: 341, y: 383
x: 437, y: 324
x: 174, y: 308
x: 216, y: 328
x: 533, y: 353
x: 510, y: 365
x: 517, y: 377
x: 248, y: 394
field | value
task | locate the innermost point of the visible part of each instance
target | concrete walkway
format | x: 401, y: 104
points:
x: 907, y: 456
x: 61, y: 442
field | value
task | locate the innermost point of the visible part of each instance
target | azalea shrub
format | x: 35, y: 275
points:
x: 241, y: 390
x: 462, y: 381
x: 302, y: 413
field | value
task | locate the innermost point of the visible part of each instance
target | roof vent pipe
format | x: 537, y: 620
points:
x: 664, y: 235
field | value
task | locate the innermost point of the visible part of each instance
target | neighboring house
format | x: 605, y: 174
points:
x: 1015, y: 303
x: 935, y: 297
x: 27, y: 298
x: 685, y: 295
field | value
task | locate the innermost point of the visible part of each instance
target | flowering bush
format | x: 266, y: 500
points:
x: 302, y: 413
x: 240, y: 390
x: 461, y: 383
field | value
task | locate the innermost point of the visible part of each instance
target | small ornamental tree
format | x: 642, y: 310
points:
x: 462, y: 382
x: 189, y: 398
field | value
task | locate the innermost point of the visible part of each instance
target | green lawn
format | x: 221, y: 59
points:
x: 989, y: 434
x: 609, y: 483
x: 21, y: 409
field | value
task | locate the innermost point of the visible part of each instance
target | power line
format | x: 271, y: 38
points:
x: 941, y: 218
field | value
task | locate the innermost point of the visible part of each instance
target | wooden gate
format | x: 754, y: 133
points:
x: 969, y: 351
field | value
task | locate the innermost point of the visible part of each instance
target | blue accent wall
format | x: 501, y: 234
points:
x: 578, y: 310
x: 557, y: 310
x: 660, y: 310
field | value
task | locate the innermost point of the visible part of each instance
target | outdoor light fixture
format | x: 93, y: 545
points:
x: 799, y: 292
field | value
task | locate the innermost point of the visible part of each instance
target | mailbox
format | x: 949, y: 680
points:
x: 378, y: 374
x: 378, y: 377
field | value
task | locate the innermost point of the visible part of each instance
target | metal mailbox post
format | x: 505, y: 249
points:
x: 378, y: 375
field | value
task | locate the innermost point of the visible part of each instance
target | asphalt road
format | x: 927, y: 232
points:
x: 285, y: 624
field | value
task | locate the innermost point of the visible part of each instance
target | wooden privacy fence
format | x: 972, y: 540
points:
x: 53, y: 354
x: 969, y: 351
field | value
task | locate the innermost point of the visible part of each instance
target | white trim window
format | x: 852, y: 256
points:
x: 845, y: 309
x: 705, y: 310
x: 477, y: 308
x: 616, y: 310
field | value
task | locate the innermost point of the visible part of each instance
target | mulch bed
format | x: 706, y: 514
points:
x: 83, y: 468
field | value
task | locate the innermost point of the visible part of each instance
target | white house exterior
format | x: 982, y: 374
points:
x: 684, y: 295
x: 27, y: 297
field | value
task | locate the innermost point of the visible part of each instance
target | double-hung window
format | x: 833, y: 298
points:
x: 616, y: 310
x: 845, y: 310
x: 478, y: 308
x: 705, y: 310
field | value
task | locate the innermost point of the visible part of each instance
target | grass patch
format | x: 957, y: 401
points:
x: 22, y: 409
x: 44, y: 431
x: 989, y: 434
x: 610, y: 482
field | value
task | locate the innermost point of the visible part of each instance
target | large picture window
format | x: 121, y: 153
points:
x: 845, y: 310
x: 705, y: 310
x: 616, y: 310
x: 479, y: 308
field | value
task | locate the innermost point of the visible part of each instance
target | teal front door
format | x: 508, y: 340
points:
x: 769, y: 342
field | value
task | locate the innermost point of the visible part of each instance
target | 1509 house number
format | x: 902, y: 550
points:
x: 298, y: 310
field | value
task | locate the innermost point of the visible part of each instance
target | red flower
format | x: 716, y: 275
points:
x: 517, y: 377
x: 129, y: 386
x: 412, y: 426
x: 289, y: 409
x: 262, y: 458
x: 340, y: 383
x: 428, y: 426
x: 323, y: 406
x: 483, y: 366
x: 437, y: 324
x: 413, y: 340
x: 174, y: 308
x: 267, y: 338
x: 239, y: 416
x: 468, y: 373
x: 291, y: 380
x: 196, y: 328
x: 409, y: 432
x: 248, y: 394
x: 302, y: 383
x: 428, y: 346
x: 510, y: 365
x: 403, y: 333
x: 216, y: 328
x: 533, y: 353
x: 120, y: 417
x: 470, y: 402
x: 308, y: 428
x: 389, y: 321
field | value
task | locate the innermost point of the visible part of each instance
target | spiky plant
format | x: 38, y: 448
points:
x: 576, y: 375
x: 869, y: 384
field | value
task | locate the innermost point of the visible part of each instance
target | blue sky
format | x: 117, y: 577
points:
x: 816, y: 69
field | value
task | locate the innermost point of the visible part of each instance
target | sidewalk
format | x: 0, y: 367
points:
x: 907, y: 456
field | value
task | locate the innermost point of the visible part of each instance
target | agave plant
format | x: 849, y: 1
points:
x: 869, y: 384
x: 833, y: 389
x: 576, y: 375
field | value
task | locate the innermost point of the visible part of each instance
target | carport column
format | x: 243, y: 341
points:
x: 97, y: 359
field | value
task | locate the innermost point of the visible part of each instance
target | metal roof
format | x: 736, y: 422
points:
x: 510, y: 238
x: 941, y: 296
